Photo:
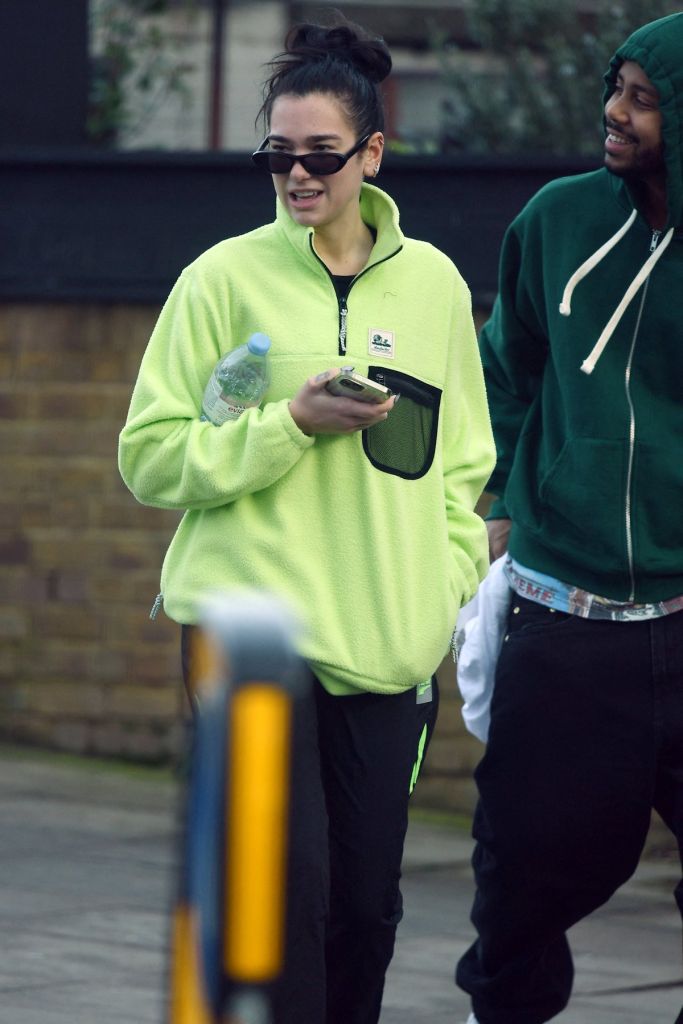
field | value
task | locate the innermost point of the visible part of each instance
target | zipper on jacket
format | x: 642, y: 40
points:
x: 343, y: 306
x: 343, y: 313
x: 342, y: 303
x: 158, y: 600
x: 628, y: 516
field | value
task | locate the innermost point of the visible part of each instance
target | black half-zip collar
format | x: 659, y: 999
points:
x: 342, y: 299
x: 380, y: 213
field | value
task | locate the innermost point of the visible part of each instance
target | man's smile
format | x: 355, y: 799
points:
x: 618, y: 137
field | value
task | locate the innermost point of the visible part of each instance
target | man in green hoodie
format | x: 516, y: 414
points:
x: 583, y: 357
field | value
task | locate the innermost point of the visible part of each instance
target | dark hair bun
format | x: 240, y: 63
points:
x: 345, y: 42
x: 339, y: 58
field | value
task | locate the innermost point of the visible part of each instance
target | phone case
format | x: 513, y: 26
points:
x: 349, y: 384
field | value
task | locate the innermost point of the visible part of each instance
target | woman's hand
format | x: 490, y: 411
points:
x: 316, y: 411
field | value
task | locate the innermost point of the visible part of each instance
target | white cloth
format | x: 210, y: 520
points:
x: 477, y: 642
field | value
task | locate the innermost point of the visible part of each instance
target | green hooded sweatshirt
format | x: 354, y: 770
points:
x: 590, y: 464
x: 371, y: 538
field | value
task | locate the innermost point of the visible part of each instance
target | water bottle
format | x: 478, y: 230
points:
x: 238, y: 382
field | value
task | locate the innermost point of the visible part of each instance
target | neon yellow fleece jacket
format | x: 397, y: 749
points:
x: 370, y: 538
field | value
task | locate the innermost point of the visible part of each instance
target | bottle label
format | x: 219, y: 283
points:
x: 227, y: 410
x: 238, y: 382
x: 217, y: 407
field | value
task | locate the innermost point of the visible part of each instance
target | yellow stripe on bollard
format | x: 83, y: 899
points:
x: 188, y: 1002
x: 207, y: 665
x: 256, y: 828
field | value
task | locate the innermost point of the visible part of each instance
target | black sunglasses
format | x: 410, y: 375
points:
x: 276, y: 161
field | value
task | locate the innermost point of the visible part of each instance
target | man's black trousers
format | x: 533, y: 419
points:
x: 586, y: 737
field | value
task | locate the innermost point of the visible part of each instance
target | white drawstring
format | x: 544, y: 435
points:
x: 588, y: 365
x: 592, y: 261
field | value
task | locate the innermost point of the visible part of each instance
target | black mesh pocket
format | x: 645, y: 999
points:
x: 404, y: 443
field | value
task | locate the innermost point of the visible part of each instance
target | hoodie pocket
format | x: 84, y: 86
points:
x: 404, y: 443
x: 583, y: 502
x: 657, y: 522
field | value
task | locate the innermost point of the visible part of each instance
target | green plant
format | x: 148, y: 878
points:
x: 532, y: 80
x: 133, y: 52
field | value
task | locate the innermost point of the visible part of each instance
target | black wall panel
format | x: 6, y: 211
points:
x: 121, y: 226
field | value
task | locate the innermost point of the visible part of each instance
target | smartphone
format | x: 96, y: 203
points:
x: 349, y: 384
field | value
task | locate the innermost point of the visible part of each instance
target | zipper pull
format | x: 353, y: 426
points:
x: 158, y: 600
x: 654, y: 240
x: 343, y: 310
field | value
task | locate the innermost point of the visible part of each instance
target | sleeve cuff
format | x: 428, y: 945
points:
x: 498, y: 510
x: 300, y: 439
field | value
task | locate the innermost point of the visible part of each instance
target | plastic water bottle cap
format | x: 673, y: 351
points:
x: 258, y: 344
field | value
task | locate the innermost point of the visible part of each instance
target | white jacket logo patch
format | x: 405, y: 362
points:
x: 381, y: 343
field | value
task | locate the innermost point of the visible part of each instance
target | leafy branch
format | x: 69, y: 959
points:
x: 532, y: 79
x: 134, y: 54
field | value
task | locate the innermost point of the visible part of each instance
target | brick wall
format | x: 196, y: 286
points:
x: 82, y: 668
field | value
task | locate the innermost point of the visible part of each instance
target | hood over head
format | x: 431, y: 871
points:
x: 658, y: 48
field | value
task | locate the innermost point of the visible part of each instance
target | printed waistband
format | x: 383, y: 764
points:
x: 563, y: 597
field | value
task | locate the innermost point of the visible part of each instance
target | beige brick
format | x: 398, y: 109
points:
x: 146, y: 744
x: 129, y: 587
x: 6, y: 336
x: 131, y: 703
x: 11, y: 510
x: 11, y: 660
x: 450, y: 756
x: 19, y: 727
x: 445, y: 674
x: 58, y: 438
x: 42, y: 475
x: 435, y: 792
x: 132, y: 627
x: 450, y: 722
x: 14, y: 622
x: 69, y: 586
x: 44, y: 512
x: 161, y: 667
x: 15, y: 548
x: 61, y: 698
x: 129, y: 328
x: 11, y: 405
x: 61, y: 658
x: 62, y: 326
x: 108, y: 738
x: 81, y: 661
x: 107, y: 404
x: 66, y: 621
x: 122, y: 510
x: 12, y: 698
x: 57, y: 548
x: 134, y: 552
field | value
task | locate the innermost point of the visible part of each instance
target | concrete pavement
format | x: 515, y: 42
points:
x: 87, y: 872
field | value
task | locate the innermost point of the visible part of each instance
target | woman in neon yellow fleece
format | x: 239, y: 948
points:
x: 361, y: 517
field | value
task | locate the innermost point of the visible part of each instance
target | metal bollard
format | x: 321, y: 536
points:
x: 229, y: 919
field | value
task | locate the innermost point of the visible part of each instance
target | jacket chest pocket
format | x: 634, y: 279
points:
x: 405, y: 442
